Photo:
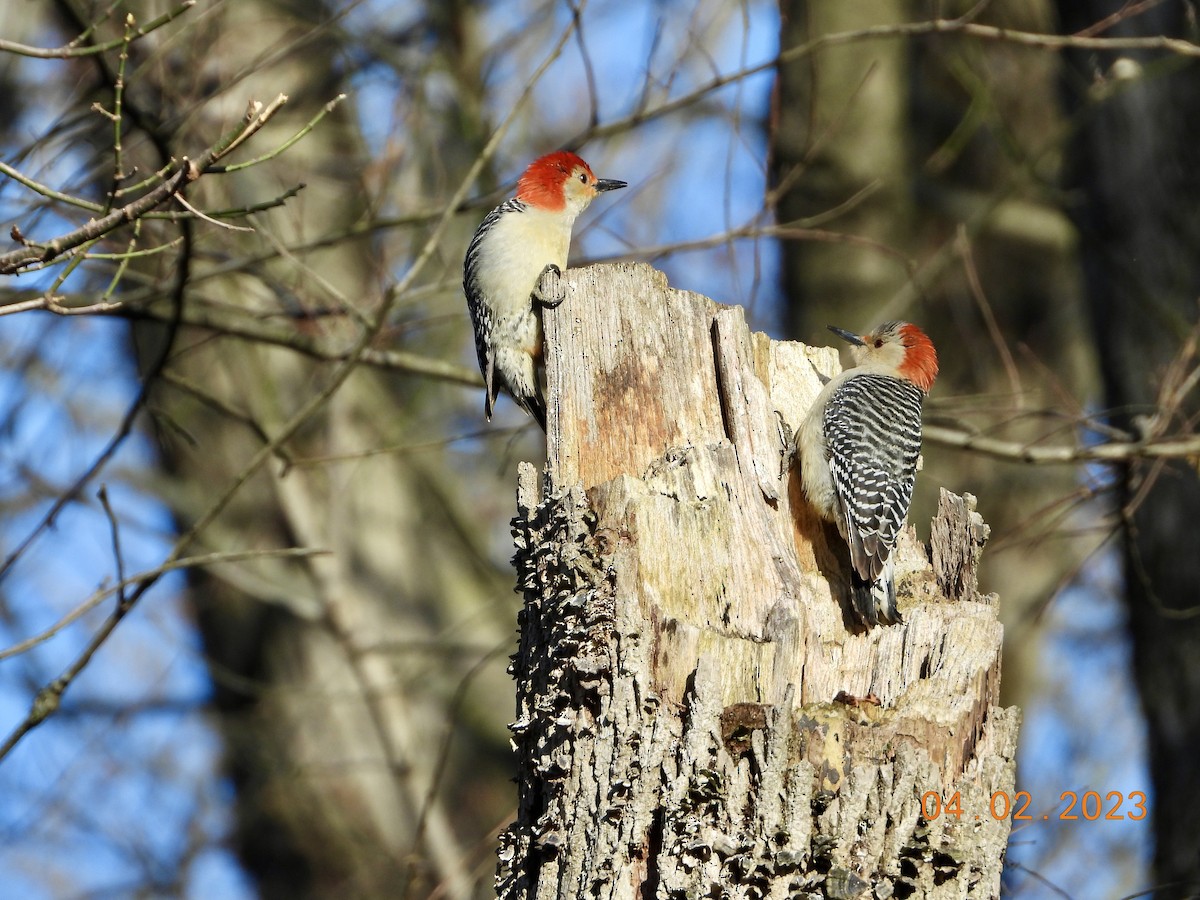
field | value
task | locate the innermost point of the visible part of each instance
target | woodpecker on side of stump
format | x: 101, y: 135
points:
x: 858, y: 447
x: 519, y: 242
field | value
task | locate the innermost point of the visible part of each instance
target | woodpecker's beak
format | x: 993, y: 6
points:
x: 847, y: 335
x: 608, y: 184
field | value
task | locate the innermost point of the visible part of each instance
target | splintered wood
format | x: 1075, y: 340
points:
x: 698, y: 712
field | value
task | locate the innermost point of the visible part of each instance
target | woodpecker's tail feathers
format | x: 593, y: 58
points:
x: 535, y: 405
x: 489, y: 383
x: 872, y: 578
x: 875, y: 601
x: 526, y: 388
x: 514, y: 372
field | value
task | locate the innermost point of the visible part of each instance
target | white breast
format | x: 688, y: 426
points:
x: 519, y: 247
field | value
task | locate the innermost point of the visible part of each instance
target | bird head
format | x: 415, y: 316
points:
x: 900, y: 347
x: 562, y: 182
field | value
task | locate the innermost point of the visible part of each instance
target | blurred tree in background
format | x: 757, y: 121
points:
x: 287, y: 337
x: 1134, y: 186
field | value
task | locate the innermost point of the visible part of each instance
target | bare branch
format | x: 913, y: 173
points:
x: 309, y: 126
x: 115, y: 531
x: 38, y: 188
x: 48, y: 699
x: 182, y: 201
x: 198, y: 561
x: 185, y: 171
x: 960, y: 26
x: 1036, y: 454
x: 1128, y: 11
x: 985, y: 309
x: 71, y: 50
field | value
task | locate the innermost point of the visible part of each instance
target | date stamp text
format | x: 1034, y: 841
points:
x: 1090, y: 806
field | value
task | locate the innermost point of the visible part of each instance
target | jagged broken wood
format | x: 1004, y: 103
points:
x: 697, y: 711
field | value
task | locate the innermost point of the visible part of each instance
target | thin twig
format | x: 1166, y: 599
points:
x: 960, y: 26
x: 985, y: 310
x: 185, y: 172
x: 1128, y: 11
x: 198, y: 561
x: 123, y: 265
x: 309, y: 126
x: 1031, y: 452
x: 403, y: 361
x: 48, y: 192
x: 71, y: 50
x: 115, y: 532
x: 219, y: 405
x: 51, y: 303
x: 182, y: 201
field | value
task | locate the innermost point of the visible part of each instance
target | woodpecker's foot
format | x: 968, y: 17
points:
x: 550, y: 290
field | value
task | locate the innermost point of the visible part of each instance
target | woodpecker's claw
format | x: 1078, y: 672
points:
x: 549, y: 290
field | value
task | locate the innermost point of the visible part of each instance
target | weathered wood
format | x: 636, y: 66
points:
x: 696, y: 707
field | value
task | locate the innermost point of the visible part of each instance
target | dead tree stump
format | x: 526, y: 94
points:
x: 697, y: 714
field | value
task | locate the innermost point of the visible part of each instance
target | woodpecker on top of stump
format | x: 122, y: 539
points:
x: 858, y: 447
x: 519, y: 242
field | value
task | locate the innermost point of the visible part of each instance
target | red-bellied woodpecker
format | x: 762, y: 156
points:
x: 858, y: 448
x: 516, y: 244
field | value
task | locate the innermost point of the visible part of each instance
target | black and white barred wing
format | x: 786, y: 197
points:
x: 873, y: 436
x: 481, y: 312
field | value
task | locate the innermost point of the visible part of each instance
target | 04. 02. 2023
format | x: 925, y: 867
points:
x: 1090, y: 806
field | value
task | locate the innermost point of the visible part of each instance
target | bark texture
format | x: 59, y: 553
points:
x: 696, y: 711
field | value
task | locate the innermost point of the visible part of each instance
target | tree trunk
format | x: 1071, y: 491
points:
x: 840, y: 150
x: 694, y: 706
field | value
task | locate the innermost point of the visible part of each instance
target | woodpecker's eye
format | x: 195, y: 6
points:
x: 583, y: 177
x: 878, y: 343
